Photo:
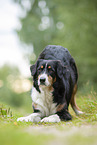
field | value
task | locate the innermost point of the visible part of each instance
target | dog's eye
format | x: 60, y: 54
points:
x: 40, y: 68
x: 50, y: 69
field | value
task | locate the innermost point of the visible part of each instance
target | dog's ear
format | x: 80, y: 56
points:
x: 33, y: 69
x: 59, y: 69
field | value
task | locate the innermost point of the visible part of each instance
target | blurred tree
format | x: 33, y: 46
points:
x: 8, y: 75
x: 70, y: 23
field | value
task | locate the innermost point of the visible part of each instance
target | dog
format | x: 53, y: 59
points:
x: 54, y: 87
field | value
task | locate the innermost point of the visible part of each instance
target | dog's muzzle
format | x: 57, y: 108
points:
x: 43, y: 80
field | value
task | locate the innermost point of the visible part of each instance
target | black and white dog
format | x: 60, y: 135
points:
x: 54, y: 86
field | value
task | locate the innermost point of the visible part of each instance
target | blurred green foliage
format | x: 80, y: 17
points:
x: 12, y: 135
x: 8, y: 76
x: 70, y: 23
x: 5, y: 112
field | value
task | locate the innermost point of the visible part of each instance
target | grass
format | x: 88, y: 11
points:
x: 82, y: 130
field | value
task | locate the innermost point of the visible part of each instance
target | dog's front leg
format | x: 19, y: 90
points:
x: 64, y: 115
x: 34, y: 117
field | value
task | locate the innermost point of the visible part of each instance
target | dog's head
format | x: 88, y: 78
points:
x: 47, y: 71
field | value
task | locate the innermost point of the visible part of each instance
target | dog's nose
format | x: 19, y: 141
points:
x: 42, y: 80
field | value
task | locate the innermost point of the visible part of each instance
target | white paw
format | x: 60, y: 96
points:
x: 24, y: 119
x: 52, y: 118
x: 34, y: 117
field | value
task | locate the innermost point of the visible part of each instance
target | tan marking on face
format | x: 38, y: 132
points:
x: 50, y: 79
x: 60, y: 107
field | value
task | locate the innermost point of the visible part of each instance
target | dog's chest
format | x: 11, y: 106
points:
x: 44, y: 101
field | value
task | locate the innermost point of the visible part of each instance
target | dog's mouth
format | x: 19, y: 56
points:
x: 42, y: 84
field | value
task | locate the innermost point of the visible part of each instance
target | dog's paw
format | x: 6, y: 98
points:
x: 34, y: 117
x: 24, y: 119
x: 52, y: 118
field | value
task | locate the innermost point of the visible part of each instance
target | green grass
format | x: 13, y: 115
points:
x: 82, y: 130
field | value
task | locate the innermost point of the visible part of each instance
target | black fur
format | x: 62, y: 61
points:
x: 65, y: 71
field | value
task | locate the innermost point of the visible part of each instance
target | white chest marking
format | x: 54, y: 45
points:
x: 44, y: 101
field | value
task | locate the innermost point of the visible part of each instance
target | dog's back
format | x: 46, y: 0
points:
x: 53, y: 52
x: 56, y: 52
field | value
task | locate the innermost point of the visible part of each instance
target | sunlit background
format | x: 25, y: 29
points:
x: 14, y: 66
x: 10, y: 46
x: 27, y: 26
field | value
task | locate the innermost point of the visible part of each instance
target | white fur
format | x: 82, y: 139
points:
x: 34, y: 117
x: 52, y: 118
x: 44, y: 101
